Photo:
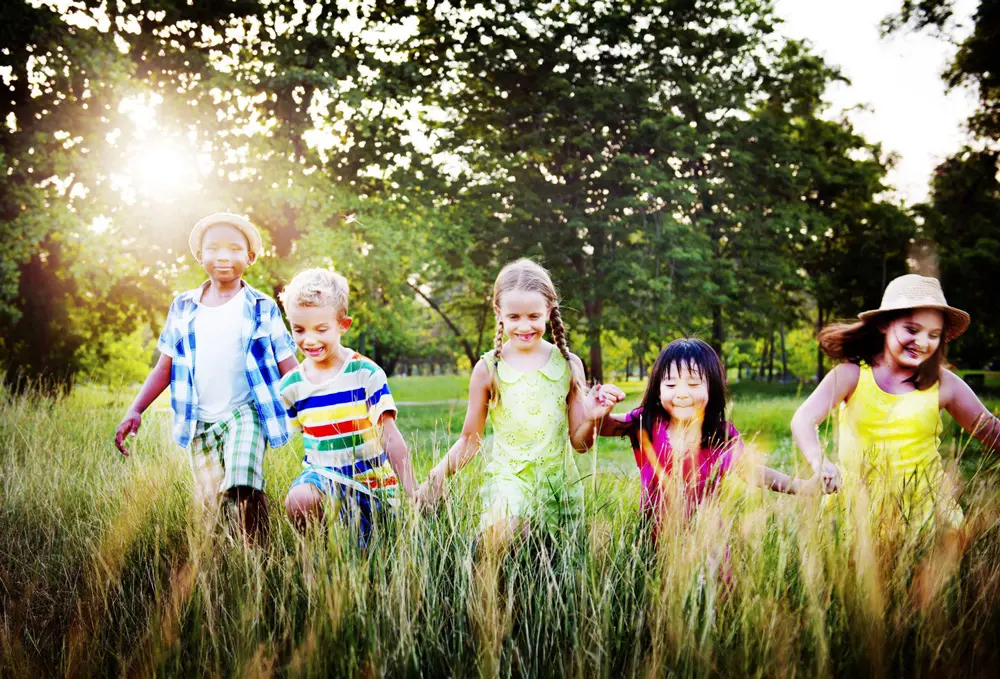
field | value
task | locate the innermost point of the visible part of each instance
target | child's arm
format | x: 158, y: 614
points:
x: 616, y: 425
x: 962, y: 404
x: 157, y: 380
x: 471, y: 439
x: 587, y: 411
x: 284, y: 345
x: 835, y: 388
x: 765, y: 477
x: 287, y: 365
x: 399, y: 456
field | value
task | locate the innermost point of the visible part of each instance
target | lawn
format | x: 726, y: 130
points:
x: 107, y: 569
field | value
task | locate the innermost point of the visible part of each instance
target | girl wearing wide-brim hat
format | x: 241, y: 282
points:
x: 890, y: 390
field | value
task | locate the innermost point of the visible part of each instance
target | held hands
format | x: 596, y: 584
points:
x: 601, y: 400
x: 129, y: 425
x: 829, y: 475
x: 430, y: 491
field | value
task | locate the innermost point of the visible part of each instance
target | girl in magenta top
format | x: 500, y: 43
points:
x: 680, y: 434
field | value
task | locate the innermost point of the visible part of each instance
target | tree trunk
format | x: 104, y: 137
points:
x: 593, y: 313
x: 784, y: 355
x: 770, y: 357
x: 466, y: 347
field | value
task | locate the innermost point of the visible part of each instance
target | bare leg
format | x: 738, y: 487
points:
x: 251, y: 513
x: 490, y: 614
x: 303, y: 505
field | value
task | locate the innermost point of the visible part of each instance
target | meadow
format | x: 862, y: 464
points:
x: 107, y: 569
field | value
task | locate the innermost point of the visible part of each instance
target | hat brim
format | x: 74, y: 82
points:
x: 254, y: 242
x: 956, y: 320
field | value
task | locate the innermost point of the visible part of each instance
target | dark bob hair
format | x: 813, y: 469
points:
x: 693, y: 354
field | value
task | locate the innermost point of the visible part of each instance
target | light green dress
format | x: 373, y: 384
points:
x: 532, y: 472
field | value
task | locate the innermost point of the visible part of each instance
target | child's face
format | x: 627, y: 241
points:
x: 317, y: 331
x: 912, y: 339
x: 523, y: 315
x: 225, y: 253
x: 684, y: 392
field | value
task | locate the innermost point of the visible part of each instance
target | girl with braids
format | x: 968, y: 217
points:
x: 533, y: 392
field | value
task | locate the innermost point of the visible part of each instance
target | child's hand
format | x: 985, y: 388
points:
x: 829, y: 473
x: 129, y: 425
x: 601, y: 400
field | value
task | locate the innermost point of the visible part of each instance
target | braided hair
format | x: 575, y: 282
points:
x: 529, y: 276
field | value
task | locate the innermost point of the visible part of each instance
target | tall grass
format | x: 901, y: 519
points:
x: 107, y: 569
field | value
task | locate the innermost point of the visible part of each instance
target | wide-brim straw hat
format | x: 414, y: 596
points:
x: 256, y: 245
x: 914, y: 291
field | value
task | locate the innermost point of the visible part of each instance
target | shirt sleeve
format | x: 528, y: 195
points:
x: 378, y: 396
x: 168, y: 336
x: 288, y: 401
x: 281, y: 340
x: 734, y: 448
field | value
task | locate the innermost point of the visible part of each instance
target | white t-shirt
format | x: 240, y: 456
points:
x: 219, y: 359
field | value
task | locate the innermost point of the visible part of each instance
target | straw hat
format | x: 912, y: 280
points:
x: 913, y: 291
x: 249, y: 230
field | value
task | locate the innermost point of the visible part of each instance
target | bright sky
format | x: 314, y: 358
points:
x: 898, y: 78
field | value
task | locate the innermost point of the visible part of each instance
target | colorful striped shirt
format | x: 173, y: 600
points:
x: 339, y: 421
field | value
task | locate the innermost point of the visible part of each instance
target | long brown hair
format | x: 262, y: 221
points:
x: 864, y: 342
x: 529, y: 276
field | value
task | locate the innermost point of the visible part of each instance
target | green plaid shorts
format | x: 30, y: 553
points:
x: 229, y: 452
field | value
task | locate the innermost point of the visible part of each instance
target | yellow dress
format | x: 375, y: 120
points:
x: 532, y: 473
x: 888, y: 449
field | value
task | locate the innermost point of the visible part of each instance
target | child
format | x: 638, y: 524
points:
x: 340, y: 401
x: 223, y: 350
x: 890, y: 389
x: 681, y: 423
x: 532, y: 391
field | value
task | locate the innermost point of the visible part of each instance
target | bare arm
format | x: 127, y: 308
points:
x: 399, y: 456
x: 962, y: 404
x: 766, y: 477
x: 157, y: 380
x: 836, y: 387
x: 287, y: 365
x: 587, y: 411
x: 615, y: 425
x: 471, y: 439
x: 752, y: 471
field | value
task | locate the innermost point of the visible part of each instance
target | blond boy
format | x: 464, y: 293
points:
x: 340, y: 401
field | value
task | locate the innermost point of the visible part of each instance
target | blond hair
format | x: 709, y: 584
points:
x: 529, y: 276
x: 316, y: 288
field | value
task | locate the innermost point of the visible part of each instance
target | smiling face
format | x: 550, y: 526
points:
x: 913, y: 338
x: 523, y: 315
x: 317, y: 331
x: 225, y: 253
x: 684, y: 392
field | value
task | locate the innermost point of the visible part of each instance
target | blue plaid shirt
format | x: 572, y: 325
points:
x: 267, y: 343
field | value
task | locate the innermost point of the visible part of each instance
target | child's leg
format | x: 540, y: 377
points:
x: 207, y: 468
x: 303, y: 504
x: 251, y: 505
x: 243, y: 462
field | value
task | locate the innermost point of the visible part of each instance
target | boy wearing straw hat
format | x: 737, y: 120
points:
x: 223, y: 351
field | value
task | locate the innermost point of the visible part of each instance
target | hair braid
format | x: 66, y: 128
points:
x: 497, y: 350
x: 577, y: 382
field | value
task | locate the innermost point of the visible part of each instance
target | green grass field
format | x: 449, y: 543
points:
x: 107, y: 569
